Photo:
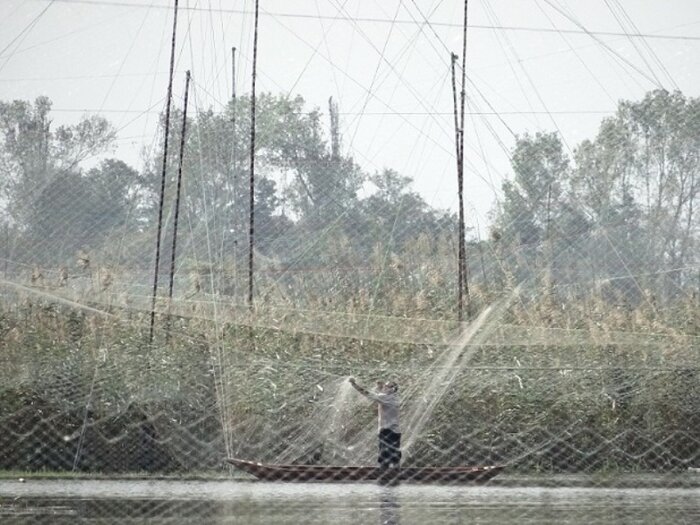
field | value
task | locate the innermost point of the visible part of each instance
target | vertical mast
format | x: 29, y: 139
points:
x: 460, y: 266
x: 162, y: 178
x: 251, y: 234
x: 464, y: 284
x: 234, y: 184
x: 179, y: 186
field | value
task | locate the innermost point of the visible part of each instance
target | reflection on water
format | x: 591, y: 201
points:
x: 389, y: 508
x: 64, y: 502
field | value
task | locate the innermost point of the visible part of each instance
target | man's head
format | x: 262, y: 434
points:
x: 391, y: 387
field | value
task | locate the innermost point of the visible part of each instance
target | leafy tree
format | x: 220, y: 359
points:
x: 603, y: 177
x: 295, y: 175
x: 74, y: 210
x: 625, y: 209
x: 639, y: 179
x: 533, y: 200
x: 665, y: 130
x: 33, y: 154
x: 395, y: 215
x: 42, y: 186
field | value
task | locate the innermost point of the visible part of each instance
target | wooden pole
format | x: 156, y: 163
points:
x: 463, y: 94
x: 233, y: 73
x: 251, y: 232
x: 179, y: 187
x: 548, y: 240
x: 234, y: 184
x: 460, y: 266
x: 162, y: 178
x: 462, y: 227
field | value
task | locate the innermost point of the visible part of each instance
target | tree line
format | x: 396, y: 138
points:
x: 618, y: 210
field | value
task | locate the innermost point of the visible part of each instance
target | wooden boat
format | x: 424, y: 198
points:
x: 317, y: 473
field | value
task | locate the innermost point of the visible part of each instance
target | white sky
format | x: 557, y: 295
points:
x: 111, y: 57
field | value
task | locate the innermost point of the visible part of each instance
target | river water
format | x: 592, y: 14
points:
x: 180, y: 502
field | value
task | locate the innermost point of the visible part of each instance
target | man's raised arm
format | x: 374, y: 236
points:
x: 364, y: 391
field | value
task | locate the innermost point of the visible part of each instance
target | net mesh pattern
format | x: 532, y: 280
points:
x: 577, y: 360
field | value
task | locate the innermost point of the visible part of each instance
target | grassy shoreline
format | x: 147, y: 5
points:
x: 90, y: 394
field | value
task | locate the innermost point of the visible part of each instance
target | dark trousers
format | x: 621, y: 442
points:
x: 389, y: 448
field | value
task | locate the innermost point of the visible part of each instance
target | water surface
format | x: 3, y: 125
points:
x: 180, y: 502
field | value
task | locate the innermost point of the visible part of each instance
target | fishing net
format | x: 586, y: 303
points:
x: 575, y: 364
x: 587, y: 378
x: 548, y: 378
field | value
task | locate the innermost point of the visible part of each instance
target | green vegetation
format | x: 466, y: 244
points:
x: 86, y: 387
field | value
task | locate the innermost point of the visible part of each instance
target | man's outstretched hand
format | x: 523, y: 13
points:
x: 352, y: 381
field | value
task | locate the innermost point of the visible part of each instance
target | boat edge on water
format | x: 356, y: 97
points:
x: 328, y: 473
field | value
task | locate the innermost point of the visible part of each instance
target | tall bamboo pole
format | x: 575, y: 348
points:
x: 251, y: 233
x: 179, y: 187
x: 234, y: 184
x: 162, y: 178
x: 460, y: 245
x: 462, y: 228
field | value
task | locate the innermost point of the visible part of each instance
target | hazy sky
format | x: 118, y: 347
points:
x: 555, y: 65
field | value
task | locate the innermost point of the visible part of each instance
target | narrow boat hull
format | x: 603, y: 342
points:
x: 319, y: 473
